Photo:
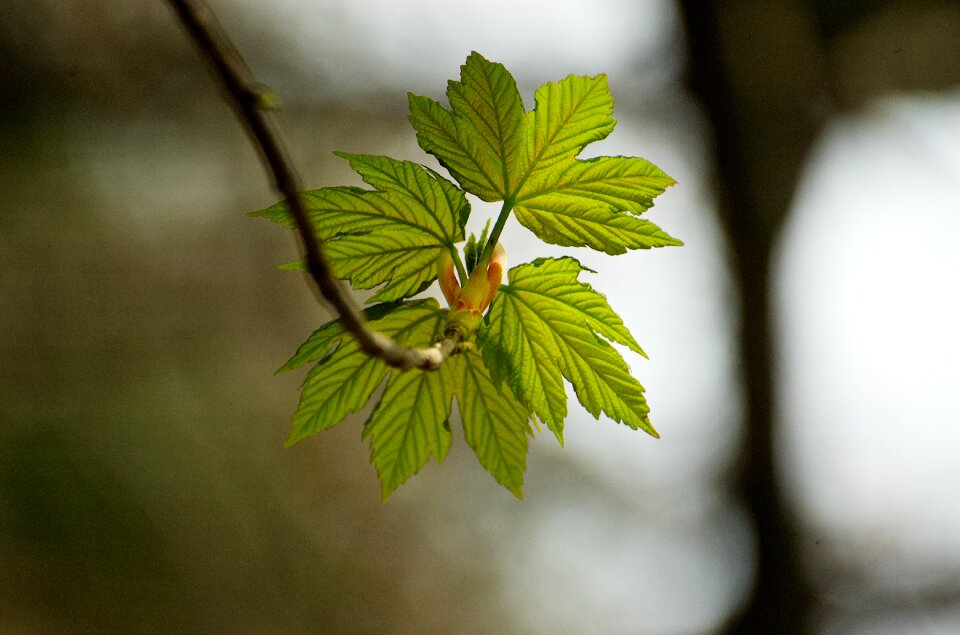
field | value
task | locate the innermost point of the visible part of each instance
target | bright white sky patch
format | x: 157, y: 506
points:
x: 411, y: 45
x: 869, y: 301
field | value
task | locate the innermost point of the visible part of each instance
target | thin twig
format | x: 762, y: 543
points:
x: 247, y: 98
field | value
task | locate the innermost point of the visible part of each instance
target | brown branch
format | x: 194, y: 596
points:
x: 248, y: 98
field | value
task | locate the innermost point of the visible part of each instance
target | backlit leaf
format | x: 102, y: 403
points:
x: 565, y: 223
x: 546, y: 324
x: 410, y: 424
x: 561, y: 199
x: 343, y: 380
x: 482, y: 140
x: 568, y: 115
x: 495, y: 424
x: 545, y: 328
x: 389, y: 237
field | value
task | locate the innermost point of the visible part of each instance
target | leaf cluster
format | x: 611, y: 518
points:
x: 543, y: 327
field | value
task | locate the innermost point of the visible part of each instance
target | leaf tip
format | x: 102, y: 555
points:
x: 647, y: 427
x: 294, y: 438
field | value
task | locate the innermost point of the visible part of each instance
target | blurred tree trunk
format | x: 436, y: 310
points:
x: 767, y: 73
x: 756, y: 68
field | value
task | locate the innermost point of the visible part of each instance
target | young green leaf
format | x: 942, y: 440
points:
x: 563, y: 223
x: 546, y: 324
x: 560, y: 198
x: 411, y: 421
x: 569, y: 114
x: 391, y: 236
x: 495, y: 424
x: 318, y: 344
x: 406, y: 261
x: 474, y: 247
x: 441, y: 199
x: 481, y: 141
x: 343, y: 381
x: 334, y: 388
x: 410, y: 424
x: 544, y: 327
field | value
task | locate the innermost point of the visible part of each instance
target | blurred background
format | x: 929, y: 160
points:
x: 803, y: 345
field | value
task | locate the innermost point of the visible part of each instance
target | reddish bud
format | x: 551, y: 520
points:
x: 498, y: 262
x: 471, y: 301
x: 448, y: 277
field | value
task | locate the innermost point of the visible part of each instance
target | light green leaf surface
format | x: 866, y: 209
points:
x: 522, y: 351
x: 482, y: 140
x: 335, y: 388
x: 495, y: 423
x: 615, y: 183
x: 437, y: 133
x: 343, y: 380
x: 318, y: 344
x: 444, y: 204
x: 391, y: 236
x: 411, y: 421
x: 543, y: 329
x: 561, y: 199
x: 568, y: 115
x: 409, y: 425
x: 546, y: 324
x: 407, y: 261
x: 583, y: 204
x: 564, y: 223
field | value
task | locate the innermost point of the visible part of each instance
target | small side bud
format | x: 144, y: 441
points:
x: 466, y: 312
x: 448, y: 277
x: 498, y: 262
x: 266, y: 99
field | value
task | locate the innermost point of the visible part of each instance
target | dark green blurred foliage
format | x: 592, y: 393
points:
x: 144, y: 486
x: 86, y: 552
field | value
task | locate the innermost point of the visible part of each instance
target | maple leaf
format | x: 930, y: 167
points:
x: 391, y: 236
x: 344, y: 378
x: 498, y: 152
x: 495, y: 423
x: 546, y: 325
x: 410, y: 423
x: 543, y: 327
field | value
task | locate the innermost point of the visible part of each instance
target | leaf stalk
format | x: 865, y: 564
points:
x: 494, y: 237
